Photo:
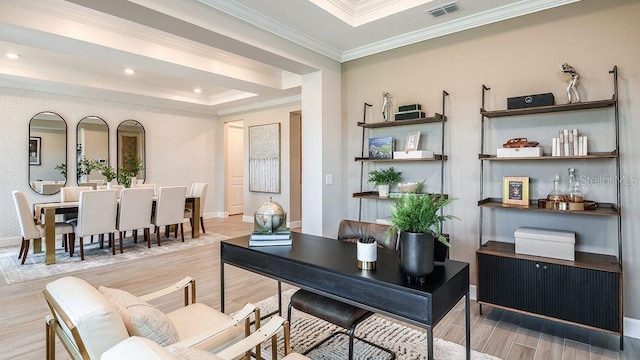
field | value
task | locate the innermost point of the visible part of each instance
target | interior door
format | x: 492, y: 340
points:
x: 235, y: 167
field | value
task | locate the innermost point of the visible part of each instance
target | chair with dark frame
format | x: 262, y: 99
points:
x: 334, y: 311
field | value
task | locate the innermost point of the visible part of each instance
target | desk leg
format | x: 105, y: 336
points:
x: 50, y: 236
x: 467, y: 325
x: 429, y: 343
x: 279, y: 298
x: 221, y: 286
x: 196, y: 218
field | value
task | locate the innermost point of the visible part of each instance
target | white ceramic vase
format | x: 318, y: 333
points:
x: 383, y: 190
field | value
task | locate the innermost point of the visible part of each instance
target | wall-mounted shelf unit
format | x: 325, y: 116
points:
x: 586, y: 292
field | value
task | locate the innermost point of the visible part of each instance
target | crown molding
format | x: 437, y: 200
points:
x: 228, y: 96
x: 260, y: 105
x: 356, y: 13
x: 506, y: 12
x: 255, y: 18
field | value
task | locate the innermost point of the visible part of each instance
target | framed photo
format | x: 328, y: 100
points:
x: 264, y: 158
x: 35, y: 147
x: 413, y: 138
x: 515, y: 190
x: 381, y: 148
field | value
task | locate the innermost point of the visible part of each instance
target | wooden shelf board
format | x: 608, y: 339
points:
x: 595, y: 155
x: 436, y: 118
x: 436, y: 157
x: 602, y: 209
x: 374, y: 195
x: 598, y: 104
x: 584, y: 260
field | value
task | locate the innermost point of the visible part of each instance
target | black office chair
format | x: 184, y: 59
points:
x: 334, y: 311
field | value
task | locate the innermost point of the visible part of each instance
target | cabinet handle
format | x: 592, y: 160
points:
x: 537, y: 266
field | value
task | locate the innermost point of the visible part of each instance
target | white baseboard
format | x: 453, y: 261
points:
x: 631, y: 326
x: 247, y: 218
x: 216, y: 214
x: 10, y: 241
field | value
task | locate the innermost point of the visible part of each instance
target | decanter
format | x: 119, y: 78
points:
x: 556, y: 194
x: 575, y: 194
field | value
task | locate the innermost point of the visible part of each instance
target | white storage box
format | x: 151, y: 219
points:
x: 519, y: 152
x: 414, y: 154
x: 548, y: 243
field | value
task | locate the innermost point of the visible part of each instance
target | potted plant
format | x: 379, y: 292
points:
x: 62, y: 168
x: 383, y: 179
x: 85, y: 167
x: 108, y: 172
x: 417, y: 218
x: 132, y: 167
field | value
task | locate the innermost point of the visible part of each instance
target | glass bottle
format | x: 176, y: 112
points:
x: 556, y: 194
x: 575, y: 193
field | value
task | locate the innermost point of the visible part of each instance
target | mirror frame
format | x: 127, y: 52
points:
x: 66, y: 151
x: 107, y: 160
x: 143, y: 151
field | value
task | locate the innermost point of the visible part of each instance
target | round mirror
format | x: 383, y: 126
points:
x: 47, y: 153
x: 92, y: 151
x: 131, y: 153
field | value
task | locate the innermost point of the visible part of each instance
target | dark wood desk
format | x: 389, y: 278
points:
x: 328, y: 267
x: 49, y: 210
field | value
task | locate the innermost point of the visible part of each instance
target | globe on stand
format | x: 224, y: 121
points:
x: 269, y: 217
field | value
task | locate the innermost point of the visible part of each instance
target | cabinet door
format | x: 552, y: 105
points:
x: 584, y: 296
x: 509, y: 282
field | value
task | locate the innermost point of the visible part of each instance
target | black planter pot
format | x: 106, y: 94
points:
x: 416, y: 253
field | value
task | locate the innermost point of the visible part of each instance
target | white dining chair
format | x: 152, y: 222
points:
x: 96, y: 215
x: 148, y: 186
x: 29, y: 229
x: 135, y: 213
x: 72, y: 193
x: 170, y: 209
x: 116, y: 187
x: 199, y: 190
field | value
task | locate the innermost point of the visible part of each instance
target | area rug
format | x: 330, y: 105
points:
x: 34, y: 267
x: 405, y: 342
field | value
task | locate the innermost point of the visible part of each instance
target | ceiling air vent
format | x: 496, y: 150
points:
x: 444, y: 9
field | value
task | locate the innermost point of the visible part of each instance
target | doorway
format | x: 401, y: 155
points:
x: 234, y: 167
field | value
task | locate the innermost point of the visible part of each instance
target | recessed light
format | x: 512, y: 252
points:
x: 12, y: 56
x: 129, y: 71
x: 197, y: 90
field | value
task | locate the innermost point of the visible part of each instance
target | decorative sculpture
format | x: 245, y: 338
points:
x: 386, y: 106
x: 568, y: 69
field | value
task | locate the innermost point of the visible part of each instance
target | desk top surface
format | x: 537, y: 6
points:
x: 340, y: 257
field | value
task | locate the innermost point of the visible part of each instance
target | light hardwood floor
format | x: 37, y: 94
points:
x: 497, y: 332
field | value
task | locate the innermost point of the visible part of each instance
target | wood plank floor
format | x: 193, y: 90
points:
x: 501, y: 333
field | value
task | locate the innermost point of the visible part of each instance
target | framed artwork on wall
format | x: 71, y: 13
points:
x: 264, y: 158
x: 515, y: 190
x: 35, y: 148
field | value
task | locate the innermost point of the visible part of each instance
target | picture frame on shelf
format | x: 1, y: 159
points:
x: 413, y: 139
x: 515, y: 190
x: 381, y: 147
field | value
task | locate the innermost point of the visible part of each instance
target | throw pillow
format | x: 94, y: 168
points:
x: 141, y: 318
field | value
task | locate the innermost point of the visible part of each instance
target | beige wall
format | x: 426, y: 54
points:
x: 515, y: 57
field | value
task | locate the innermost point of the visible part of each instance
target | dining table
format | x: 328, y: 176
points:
x: 50, y: 209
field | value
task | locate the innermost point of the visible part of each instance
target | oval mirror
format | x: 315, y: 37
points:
x: 131, y: 153
x: 92, y: 151
x: 47, y: 153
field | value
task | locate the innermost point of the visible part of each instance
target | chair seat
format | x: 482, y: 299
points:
x: 333, y: 311
x: 207, y: 316
x: 61, y: 228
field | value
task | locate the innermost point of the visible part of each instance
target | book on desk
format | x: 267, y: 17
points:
x: 276, y: 238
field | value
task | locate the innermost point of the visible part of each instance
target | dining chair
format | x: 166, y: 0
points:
x: 170, y: 209
x: 72, y: 193
x: 116, y: 187
x: 336, y: 312
x: 90, y: 184
x: 135, y: 213
x: 148, y: 186
x: 30, y: 230
x: 199, y: 190
x: 96, y: 215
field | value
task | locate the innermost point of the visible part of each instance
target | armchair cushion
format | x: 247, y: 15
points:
x: 141, y: 318
x: 142, y: 348
x: 183, y: 317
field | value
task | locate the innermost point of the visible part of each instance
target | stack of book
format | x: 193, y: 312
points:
x: 276, y: 238
x: 569, y: 143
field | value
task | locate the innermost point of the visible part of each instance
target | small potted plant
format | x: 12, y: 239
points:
x: 85, y: 167
x: 132, y: 167
x: 417, y: 218
x: 108, y: 172
x: 383, y: 179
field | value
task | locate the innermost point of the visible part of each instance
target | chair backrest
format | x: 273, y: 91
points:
x: 97, y: 212
x: 90, y: 184
x: 70, y: 194
x: 170, y: 205
x: 352, y: 231
x: 28, y: 228
x: 200, y: 190
x: 147, y: 186
x: 49, y: 189
x: 84, y: 316
x: 135, y: 209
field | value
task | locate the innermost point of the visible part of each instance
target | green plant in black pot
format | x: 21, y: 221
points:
x: 383, y: 179
x: 417, y: 218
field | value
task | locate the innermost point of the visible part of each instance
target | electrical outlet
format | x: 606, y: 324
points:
x: 328, y: 179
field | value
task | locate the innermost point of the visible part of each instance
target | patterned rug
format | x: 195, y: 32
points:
x: 34, y: 267
x: 405, y: 342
